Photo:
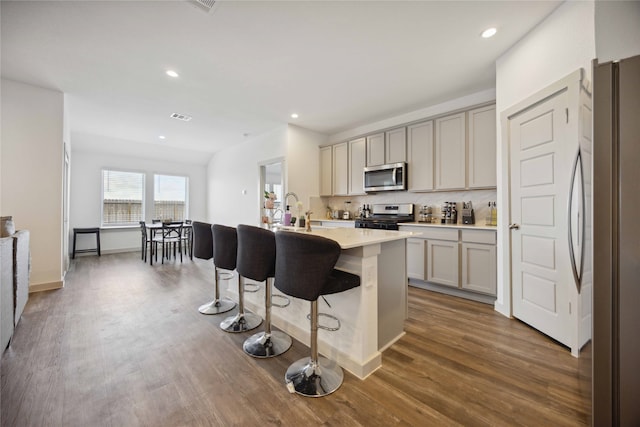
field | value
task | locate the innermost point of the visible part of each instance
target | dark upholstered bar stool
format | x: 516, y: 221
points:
x: 304, y: 269
x: 225, y: 252
x: 257, y: 261
x: 202, y: 235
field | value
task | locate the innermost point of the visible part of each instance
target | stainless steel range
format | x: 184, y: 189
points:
x: 387, y: 217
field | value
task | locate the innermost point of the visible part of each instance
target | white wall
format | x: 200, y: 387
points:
x: 617, y: 30
x: 32, y: 159
x: 233, y: 178
x: 303, y: 163
x: 86, y: 175
x: 562, y: 43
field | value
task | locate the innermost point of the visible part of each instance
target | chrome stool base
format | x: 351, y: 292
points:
x: 314, y: 379
x: 241, y: 322
x: 267, y: 345
x: 216, y: 307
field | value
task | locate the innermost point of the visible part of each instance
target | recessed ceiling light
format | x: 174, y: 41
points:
x: 162, y: 137
x: 172, y: 73
x: 489, y: 32
x: 294, y: 116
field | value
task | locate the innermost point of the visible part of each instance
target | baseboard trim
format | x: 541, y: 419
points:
x: 48, y: 286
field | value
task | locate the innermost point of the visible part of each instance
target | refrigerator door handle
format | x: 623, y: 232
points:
x: 577, y: 271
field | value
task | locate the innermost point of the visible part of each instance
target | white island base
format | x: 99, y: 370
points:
x: 371, y: 316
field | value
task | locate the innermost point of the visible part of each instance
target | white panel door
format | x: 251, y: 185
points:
x: 540, y: 178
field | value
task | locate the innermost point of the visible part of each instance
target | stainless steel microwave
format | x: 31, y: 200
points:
x: 385, y: 177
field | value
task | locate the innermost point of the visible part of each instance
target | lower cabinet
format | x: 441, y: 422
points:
x: 442, y: 262
x: 416, y: 258
x: 479, y: 268
x: 463, y: 259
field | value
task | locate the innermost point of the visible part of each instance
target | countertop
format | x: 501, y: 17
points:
x: 458, y: 226
x: 349, y: 238
x: 419, y: 224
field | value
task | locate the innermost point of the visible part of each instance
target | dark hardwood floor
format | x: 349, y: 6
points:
x: 123, y: 344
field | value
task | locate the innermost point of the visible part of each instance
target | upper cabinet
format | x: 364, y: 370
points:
x: 340, y: 169
x: 420, y: 156
x: 482, y: 147
x: 357, y: 162
x: 387, y: 147
x: 375, y: 149
x: 454, y: 152
x: 450, y: 152
x: 396, y: 145
x: 326, y: 171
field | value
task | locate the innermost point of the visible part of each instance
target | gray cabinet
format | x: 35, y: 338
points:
x: 416, y: 257
x: 450, y: 152
x: 357, y: 162
x: 326, y: 171
x: 442, y: 262
x: 340, y: 169
x: 387, y: 147
x: 375, y: 149
x: 420, y: 156
x: 481, y: 172
x: 462, y: 259
x: 396, y: 145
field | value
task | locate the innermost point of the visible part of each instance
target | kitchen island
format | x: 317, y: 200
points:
x: 371, y: 316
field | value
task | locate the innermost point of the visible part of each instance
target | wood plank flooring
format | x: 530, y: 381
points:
x: 123, y: 344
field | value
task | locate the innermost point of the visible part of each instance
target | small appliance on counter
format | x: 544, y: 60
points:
x: 426, y: 214
x: 468, y: 216
x: 347, y: 211
x: 449, y: 213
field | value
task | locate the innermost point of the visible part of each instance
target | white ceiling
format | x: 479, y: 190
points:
x: 246, y: 66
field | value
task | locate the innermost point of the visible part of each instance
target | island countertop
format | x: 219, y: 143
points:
x: 349, y: 238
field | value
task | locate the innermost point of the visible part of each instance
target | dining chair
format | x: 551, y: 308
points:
x: 187, y: 238
x: 170, y: 236
x: 145, y: 241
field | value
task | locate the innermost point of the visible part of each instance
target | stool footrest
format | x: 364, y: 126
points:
x: 285, y: 304
x: 251, y: 288
x: 330, y: 316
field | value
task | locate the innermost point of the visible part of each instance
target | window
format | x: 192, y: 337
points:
x: 122, y: 197
x: 170, y: 197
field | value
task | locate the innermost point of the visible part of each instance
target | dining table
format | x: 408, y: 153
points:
x: 156, y: 226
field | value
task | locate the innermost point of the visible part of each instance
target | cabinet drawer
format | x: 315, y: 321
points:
x: 440, y: 234
x: 479, y: 236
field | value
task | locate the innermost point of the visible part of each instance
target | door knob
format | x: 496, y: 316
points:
x: 514, y: 227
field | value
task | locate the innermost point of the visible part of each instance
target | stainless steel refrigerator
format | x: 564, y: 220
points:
x: 616, y: 205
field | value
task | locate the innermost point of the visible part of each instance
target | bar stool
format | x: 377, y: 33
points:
x: 257, y: 261
x: 202, y: 235
x: 93, y: 230
x: 304, y: 269
x: 225, y: 252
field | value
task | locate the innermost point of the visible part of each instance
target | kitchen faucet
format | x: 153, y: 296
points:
x: 286, y: 196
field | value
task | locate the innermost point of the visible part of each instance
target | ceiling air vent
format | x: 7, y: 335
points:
x: 182, y: 117
x: 206, y: 5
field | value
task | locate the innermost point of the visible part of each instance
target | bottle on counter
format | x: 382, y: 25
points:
x: 287, y: 217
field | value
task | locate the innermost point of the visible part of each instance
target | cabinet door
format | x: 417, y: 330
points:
x: 396, y: 145
x: 340, y: 169
x: 420, y: 156
x: 326, y: 171
x: 442, y: 262
x: 479, y: 267
x: 375, y: 149
x: 357, y: 162
x: 450, y: 152
x: 416, y: 258
x: 482, y: 147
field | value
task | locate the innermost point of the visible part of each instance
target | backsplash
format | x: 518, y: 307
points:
x: 479, y: 198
